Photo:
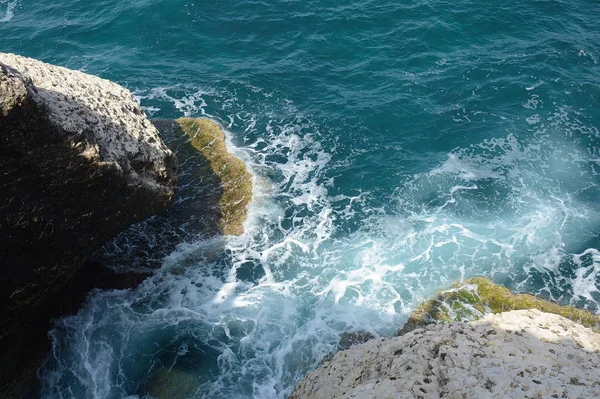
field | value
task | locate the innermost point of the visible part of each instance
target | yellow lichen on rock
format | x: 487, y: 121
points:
x: 235, y: 180
x: 501, y: 299
x: 476, y: 297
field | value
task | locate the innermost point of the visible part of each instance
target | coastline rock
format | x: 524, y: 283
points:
x: 215, y: 188
x: 225, y: 202
x: 350, y: 339
x: 80, y: 162
x: 516, y: 354
x: 478, y: 296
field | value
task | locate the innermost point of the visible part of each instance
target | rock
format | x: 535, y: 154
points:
x: 474, y: 298
x: 79, y: 163
x: 350, y: 339
x: 13, y: 92
x: 516, y: 354
x: 214, y: 191
x: 227, y: 181
x: 173, y: 383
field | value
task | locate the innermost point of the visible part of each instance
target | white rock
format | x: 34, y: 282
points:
x: 517, y: 354
x: 116, y: 129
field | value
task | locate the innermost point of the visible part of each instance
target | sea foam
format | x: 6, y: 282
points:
x: 7, y: 9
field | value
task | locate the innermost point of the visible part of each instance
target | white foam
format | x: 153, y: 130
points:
x: 9, y: 9
x: 587, y: 278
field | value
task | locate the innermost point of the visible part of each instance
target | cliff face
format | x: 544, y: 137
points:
x: 516, y: 354
x: 79, y: 163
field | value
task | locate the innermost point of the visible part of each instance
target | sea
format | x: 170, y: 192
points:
x: 396, y: 147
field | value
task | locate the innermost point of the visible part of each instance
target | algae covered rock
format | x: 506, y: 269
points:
x: 80, y: 162
x: 475, y: 297
x: 516, y: 354
x: 227, y: 182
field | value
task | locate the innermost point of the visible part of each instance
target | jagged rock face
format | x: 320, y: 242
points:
x: 13, y: 92
x: 517, y: 354
x: 101, y: 119
x: 79, y: 163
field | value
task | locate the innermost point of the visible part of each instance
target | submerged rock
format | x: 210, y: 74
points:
x: 79, y: 163
x: 516, y: 354
x: 173, y: 383
x: 475, y: 297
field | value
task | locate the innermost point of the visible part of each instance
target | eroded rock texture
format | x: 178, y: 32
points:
x: 517, y: 354
x: 79, y: 162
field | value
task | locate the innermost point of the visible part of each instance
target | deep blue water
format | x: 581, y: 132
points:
x: 398, y: 146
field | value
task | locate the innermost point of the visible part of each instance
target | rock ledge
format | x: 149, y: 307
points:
x: 516, y: 354
x: 80, y: 162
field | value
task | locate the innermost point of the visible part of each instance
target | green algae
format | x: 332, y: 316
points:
x: 475, y: 297
x: 235, y: 181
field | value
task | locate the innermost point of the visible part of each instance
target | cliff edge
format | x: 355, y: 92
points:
x: 79, y: 162
x: 475, y: 339
x: 516, y: 354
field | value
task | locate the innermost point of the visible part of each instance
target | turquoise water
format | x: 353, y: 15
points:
x: 397, y: 146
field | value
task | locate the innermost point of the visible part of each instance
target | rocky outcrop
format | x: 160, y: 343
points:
x: 229, y: 183
x: 474, y: 339
x: 472, y: 299
x: 79, y: 163
x: 516, y: 354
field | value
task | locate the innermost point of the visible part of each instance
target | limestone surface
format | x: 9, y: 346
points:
x: 516, y: 354
x: 114, y: 128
